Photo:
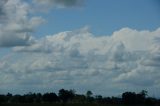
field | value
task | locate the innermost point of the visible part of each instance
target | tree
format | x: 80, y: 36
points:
x: 144, y: 93
x: 79, y: 98
x: 50, y: 97
x: 133, y: 98
x: 2, y: 99
x: 99, y: 99
x: 66, y: 95
x: 140, y: 97
x: 89, y: 94
x: 9, y: 97
x: 38, y: 98
x: 129, y: 97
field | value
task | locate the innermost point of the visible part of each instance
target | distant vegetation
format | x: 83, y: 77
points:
x: 70, y: 97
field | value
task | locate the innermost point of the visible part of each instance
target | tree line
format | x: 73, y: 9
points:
x: 70, y: 96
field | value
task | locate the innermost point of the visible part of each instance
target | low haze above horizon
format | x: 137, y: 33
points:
x: 106, y: 46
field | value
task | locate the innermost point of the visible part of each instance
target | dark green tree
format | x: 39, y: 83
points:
x: 89, y: 94
x: 66, y: 95
x: 129, y: 97
x: 50, y: 97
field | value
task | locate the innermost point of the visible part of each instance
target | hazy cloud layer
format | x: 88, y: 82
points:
x: 128, y: 59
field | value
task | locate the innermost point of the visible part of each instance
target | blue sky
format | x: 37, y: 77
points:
x: 104, y: 17
x: 106, y: 46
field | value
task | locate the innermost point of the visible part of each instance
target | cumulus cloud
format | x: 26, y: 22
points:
x: 15, y: 24
x: 76, y: 59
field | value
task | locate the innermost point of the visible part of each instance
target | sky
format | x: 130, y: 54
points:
x: 107, y: 46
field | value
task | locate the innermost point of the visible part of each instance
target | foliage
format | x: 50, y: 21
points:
x: 70, y: 97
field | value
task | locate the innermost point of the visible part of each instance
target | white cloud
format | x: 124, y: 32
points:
x: 17, y: 22
x: 74, y: 59
x: 133, y: 38
x: 16, y: 25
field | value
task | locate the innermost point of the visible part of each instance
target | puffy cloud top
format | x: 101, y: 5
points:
x: 15, y: 24
x: 75, y: 59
